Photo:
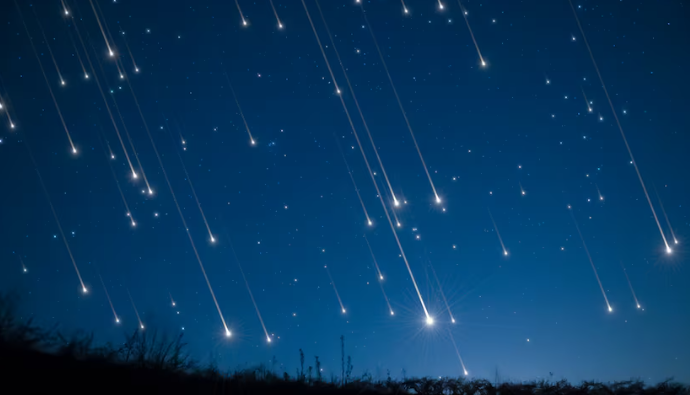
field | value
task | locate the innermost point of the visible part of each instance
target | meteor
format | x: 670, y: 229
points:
x: 354, y: 97
x: 7, y: 112
x: 179, y: 211
x: 395, y: 91
x: 107, y: 44
x: 76, y: 51
x: 50, y: 51
x: 129, y: 213
x: 584, y: 95
x: 24, y: 269
x: 457, y: 352
x: 134, y: 63
x: 366, y: 161
x: 117, y: 319
x: 244, y: 21
x: 280, y: 24
x: 349, y: 172
x: 203, y: 216
x: 141, y: 324
x: 251, y: 295
x: 249, y: 132
x: 52, y: 209
x: 661, y: 205
x: 45, y: 77
x: 171, y: 299
x: 342, y: 308
x: 452, y: 319
x: 596, y: 274
x: 620, y: 128
x: 464, y: 14
x: 380, y: 276
x: 405, y: 10
x: 601, y: 197
x: 505, y: 252
x: 637, y: 302
x: 522, y: 190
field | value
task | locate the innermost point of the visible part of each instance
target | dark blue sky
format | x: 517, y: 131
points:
x: 289, y: 206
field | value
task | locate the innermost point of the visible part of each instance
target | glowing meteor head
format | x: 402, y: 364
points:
x: 244, y: 22
x: 24, y: 270
x: 122, y: 77
x: 134, y: 175
x: 675, y: 241
x: 74, y: 150
x: 466, y: 373
x: 12, y: 125
x: 86, y: 76
x: 440, y: 6
x: 483, y: 63
x: 213, y: 239
x: 111, y: 53
x: 399, y: 225
x: 280, y: 26
x: 84, y: 290
x: 253, y: 142
x: 370, y: 223
x: 452, y: 320
x: 344, y: 311
x: 396, y: 203
x: 429, y: 320
x: 268, y: 339
x: 438, y: 200
x: 523, y: 192
x: 407, y: 12
x: 0, y: 105
x: 117, y: 320
x: 136, y: 69
x: 337, y: 91
x: 150, y: 191
x: 381, y: 278
x: 505, y: 252
x: 62, y: 82
x: 589, y: 109
x: 173, y: 303
x: 668, y: 250
x: 392, y: 313
x: 610, y: 309
x: 141, y: 326
x: 638, y: 306
x: 134, y: 224
x: 227, y: 333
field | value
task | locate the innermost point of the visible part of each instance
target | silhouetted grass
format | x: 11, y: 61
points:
x: 35, y: 360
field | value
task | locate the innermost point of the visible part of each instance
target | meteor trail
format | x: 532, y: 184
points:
x: 429, y: 319
x: 505, y: 252
x: 349, y: 172
x: 620, y: 128
x: 251, y: 138
x: 452, y: 319
x: 50, y: 51
x: 457, y: 352
x: 637, y: 302
x: 596, y: 274
x: 342, y: 308
x: 280, y: 24
x: 661, y: 205
x: 117, y: 319
x: 402, y: 110
x: 31, y: 41
x: 251, y: 295
x: 110, y: 49
x: 208, y: 228
x: 380, y: 276
x: 589, y: 106
x: 171, y: 299
x: 244, y: 21
x: 141, y: 324
x: 354, y: 97
x: 464, y: 14
x: 179, y: 211
x: 57, y: 221
x: 129, y: 213
x: 3, y: 107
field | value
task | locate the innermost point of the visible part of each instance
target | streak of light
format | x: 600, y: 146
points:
x: 64, y: 7
x: 522, y: 190
x: 129, y: 213
x: 637, y: 302
x: 179, y: 211
x: 76, y: 51
x: 50, y: 51
x: 105, y: 100
x: 246, y: 125
x: 349, y: 172
x: 464, y: 14
x: 244, y: 21
x: 251, y: 295
x: 620, y: 128
x: 429, y: 319
x: 280, y: 24
x: 107, y: 44
x: 440, y: 5
x: 172, y: 301
x: 661, y: 205
x: 107, y: 295
x: 57, y: 107
x: 405, y: 9
x: 136, y: 68
x: 373, y: 258
x: 3, y: 107
x: 500, y: 239
x: 354, y: 97
x: 141, y: 324
x: 208, y: 228
x: 402, y: 110
x: 452, y: 319
x: 24, y: 269
x: 131, y: 144
x: 584, y: 95
x: 457, y: 352
x: 596, y: 274
x: 342, y: 308
x: 57, y: 221
x: 601, y: 197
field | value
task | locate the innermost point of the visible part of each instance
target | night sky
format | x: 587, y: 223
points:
x: 519, y: 158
